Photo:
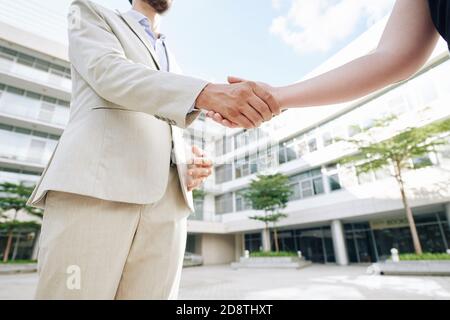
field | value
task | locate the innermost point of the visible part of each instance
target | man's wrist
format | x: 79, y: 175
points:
x: 201, y: 103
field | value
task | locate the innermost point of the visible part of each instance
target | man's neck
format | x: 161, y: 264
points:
x: 150, y: 13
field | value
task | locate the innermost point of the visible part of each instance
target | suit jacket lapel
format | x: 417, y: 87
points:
x: 173, y: 65
x: 140, y: 33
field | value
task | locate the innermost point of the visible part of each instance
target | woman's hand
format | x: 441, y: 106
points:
x: 217, y: 117
x: 199, y: 169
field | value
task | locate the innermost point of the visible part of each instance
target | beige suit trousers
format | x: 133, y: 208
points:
x: 96, y: 249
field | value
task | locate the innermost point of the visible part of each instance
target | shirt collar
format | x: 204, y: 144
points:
x: 143, y: 20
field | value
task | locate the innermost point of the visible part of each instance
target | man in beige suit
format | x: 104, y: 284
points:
x: 117, y: 191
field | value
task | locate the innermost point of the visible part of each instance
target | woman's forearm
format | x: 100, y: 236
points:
x: 351, y: 81
x: 407, y: 42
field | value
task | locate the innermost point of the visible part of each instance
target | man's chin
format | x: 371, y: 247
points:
x: 160, y: 6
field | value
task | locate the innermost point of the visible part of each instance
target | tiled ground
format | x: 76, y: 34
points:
x: 316, y: 282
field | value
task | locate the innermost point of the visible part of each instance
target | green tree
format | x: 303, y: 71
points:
x: 14, y: 197
x: 398, y: 151
x: 269, y: 193
x: 198, y: 194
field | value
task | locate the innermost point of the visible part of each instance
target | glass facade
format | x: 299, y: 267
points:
x: 253, y: 242
x: 366, y: 244
x: 315, y: 244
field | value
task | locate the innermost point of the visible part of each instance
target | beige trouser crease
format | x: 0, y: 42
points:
x: 96, y: 249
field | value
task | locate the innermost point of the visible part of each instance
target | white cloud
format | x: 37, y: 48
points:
x: 276, y: 4
x: 317, y: 25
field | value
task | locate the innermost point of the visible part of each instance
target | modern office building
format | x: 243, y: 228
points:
x: 334, y: 214
x: 35, y: 90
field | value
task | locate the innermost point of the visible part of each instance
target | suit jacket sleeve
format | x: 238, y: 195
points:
x: 97, y: 55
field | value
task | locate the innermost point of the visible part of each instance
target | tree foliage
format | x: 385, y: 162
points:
x: 411, y: 143
x: 14, y: 197
x: 269, y: 193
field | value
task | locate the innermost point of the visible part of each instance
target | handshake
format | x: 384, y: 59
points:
x: 241, y: 103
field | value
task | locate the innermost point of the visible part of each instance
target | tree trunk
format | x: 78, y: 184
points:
x: 275, y: 239
x: 409, y: 214
x: 8, y: 246
x: 9, y: 240
x: 266, y: 239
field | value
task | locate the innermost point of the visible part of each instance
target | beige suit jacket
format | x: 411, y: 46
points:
x: 117, y: 144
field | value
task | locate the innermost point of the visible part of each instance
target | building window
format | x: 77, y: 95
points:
x: 332, y: 172
x: 224, y: 203
x: 312, y: 145
x: 242, y: 167
x: 224, y: 173
x: 241, y: 139
x: 242, y: 204
x: 223, y: 146
x: 265, y: 160
x: 302, y: 148
x: 327, y: 139
x: 334, y: 182
x: 286, y: 153
x: 307, y: 184
x: 198, y: 204
x: 318, y: 186
x: 253, y: 242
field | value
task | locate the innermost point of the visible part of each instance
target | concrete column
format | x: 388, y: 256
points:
x: 265, y: 235
x: 35, y: 253
x: 340, y: 248
x: 326, y: 183
x: 239, y: 245
x: 447, y: 211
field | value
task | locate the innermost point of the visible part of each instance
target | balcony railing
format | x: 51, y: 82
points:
x: 17, y: 147
x: 55, y: 78
x: 35, y: 110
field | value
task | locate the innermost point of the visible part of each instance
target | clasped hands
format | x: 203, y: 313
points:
x: 241, y: 103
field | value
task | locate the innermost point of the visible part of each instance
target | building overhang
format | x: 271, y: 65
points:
x: 38, y: 46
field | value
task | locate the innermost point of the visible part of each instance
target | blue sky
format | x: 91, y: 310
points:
x: 216, y: 38
x: 276, y: 41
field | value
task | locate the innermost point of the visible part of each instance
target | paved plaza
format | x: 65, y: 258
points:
x: 315, y: 282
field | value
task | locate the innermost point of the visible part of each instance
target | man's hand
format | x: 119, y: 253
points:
x: 222, y: 119
x: 199, y: 169
x: 243, y: 103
